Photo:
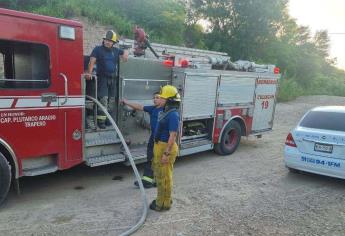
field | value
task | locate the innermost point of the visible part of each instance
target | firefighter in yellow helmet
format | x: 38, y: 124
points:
x: 106, y: 56
x: 165, y: 148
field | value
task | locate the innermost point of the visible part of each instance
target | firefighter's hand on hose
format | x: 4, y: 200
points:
x: 165, y: 159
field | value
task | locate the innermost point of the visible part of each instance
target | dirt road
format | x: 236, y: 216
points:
x: 248, y: 193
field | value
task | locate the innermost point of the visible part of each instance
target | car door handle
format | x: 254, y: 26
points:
x: 48, y: 97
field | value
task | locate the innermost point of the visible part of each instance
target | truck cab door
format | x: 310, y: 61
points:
x: 29, y: 90
x: 71, y: 98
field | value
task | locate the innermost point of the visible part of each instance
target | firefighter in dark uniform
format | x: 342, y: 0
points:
x: 165, y: 148
x: 148, y: 177
x: 107, y: 58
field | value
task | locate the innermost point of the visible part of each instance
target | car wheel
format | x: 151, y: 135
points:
x: 230, y: 139
x: 5, y: 178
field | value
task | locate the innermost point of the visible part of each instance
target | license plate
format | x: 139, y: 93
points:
x: 323, y: 148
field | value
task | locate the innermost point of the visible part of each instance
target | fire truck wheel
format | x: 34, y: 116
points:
x: 230, y: 139
x: 5, y: 177
x: 217, y: 149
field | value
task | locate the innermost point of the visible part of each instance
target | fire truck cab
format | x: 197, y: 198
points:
x: 44, y: 113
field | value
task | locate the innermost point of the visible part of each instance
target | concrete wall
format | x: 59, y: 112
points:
x: 93, y: 34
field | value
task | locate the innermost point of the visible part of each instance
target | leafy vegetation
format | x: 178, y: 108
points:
x: 260, y: 31
x: 263, y: 31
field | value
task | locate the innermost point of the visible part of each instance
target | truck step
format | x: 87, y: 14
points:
x: 139, y: 156
x: 195, y: 143
x: 101, y: 138
x: 40, y: 171
x: 105, y: 159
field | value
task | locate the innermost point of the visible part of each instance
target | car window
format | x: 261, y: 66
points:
x: 324, y: 120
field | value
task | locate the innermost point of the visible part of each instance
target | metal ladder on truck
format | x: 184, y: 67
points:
x: 101, y: 146
x: 201, y: 59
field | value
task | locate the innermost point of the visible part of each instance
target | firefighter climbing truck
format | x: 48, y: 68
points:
x: 47, y: 124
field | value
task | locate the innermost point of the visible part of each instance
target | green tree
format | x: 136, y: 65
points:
x: 242, y: 28
x: 164, y: 20
x: 194, y: 36
x: 256, y: 30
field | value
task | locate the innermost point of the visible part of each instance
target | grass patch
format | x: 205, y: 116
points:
x: 289, y: 89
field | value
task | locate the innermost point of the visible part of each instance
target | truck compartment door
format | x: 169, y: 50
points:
x: 236, y: 90
x: 199, y: 96
x: 265, y: 101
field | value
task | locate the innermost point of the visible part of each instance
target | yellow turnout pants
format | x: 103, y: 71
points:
x: 163, y: 173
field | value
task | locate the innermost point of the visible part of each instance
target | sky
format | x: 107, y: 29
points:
x: 323, y: 15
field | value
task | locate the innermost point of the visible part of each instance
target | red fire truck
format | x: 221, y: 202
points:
x: 46, y: 120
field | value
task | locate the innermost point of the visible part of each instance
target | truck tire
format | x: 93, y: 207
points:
x: 217, y: 149
x: 5, y: 178
x: 230, y: 139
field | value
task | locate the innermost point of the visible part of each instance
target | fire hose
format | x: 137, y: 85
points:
x: 129, y: 155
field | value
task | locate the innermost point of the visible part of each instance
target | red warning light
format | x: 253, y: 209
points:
x: 184, y: 63
x: 168, y: 63
x: 276, y: 70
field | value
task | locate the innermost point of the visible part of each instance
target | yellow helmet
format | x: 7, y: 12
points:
x: 111, y: 35
x: 170, y: 92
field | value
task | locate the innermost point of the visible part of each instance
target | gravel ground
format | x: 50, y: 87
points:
x: 247, y: 193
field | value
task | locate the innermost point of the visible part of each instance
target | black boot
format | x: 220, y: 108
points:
x: 107, y: 122
x: 153, y: 206
x: 101, y: 124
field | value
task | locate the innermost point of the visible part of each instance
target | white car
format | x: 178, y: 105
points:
x: 317, y: 144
